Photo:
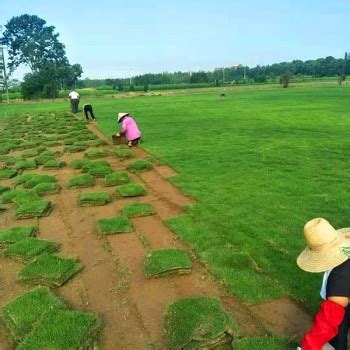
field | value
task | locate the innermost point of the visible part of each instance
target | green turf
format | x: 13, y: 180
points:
x: 41, y: 160
x: 4, y: 189
x: 30, y: 247
x: 79, y: 163
x: 94, y: 198
x: 16, y: 234
x: 63, y: 330
x: 46, y: 188
x: 98, y: 168
x: 116, y: 224
x: 131, y: 190
x: 140, y: 165
x: 26, y: 164
x: 74, y: 149
x: 81, y: 181
x: 19, y: 196
x: 119, y: 178
x: 94, y: 153
x: 21, y: 314
x: 50, y: 270
x: 54, y: 164
x: 123, y: 153
x: 263, y: 343
x: 167, y: 261
x: 198, y: 322
x: 34, y: 209
x: 36, y: 179
x: 138, y: 209
x: 7, y: 173
x: 30, y: 153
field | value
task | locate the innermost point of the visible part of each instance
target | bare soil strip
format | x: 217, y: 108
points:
x: 113, y: 283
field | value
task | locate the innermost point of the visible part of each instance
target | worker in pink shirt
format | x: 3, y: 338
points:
x: 129, y: 128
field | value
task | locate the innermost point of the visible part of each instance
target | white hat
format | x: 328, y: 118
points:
x: 121, y: 115
x: 325, y: 246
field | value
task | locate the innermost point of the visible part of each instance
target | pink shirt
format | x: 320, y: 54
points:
x: 130, y: 128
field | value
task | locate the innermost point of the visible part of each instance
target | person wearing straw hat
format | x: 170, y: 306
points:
x: 326, y: 252
x: 129, y: 128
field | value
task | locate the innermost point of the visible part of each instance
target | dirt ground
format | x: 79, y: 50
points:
x: 113, y: 283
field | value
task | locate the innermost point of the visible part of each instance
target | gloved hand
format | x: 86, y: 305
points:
x: 117, y: 134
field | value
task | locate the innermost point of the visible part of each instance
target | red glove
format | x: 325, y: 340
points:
x: 325, y: 326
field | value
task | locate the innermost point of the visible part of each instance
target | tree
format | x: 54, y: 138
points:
x: 199, y: 77
x: 31, y: 42
x: 285, y: 79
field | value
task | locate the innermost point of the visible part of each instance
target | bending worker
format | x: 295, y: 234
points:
x: 129, y: 128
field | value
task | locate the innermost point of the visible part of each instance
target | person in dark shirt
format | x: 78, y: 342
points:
x: 88, y: 110
x: 327, y: 252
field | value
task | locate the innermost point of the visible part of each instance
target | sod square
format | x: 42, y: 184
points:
x: 53, y: 143
x: 4, y: 149
x: 95, y: 163
x: 81, y: 181
x: 4, y: 189
x: 41, y: 160
x: 131, y: 190
x: 100, y: 170
x: 7, y: 173
x: 97, y: 142
x: 30, y: 247
x: 46, y: 188
x: 124, y: 153
x: 63, y: 330
x: 51, y: 153
x: 118, y: 178
x: 16, y: 234
x: 94, y: 153
x: 166, y: 261
x: 138, y: 209
x: 8, y: 160
x: 26, y: 164
x: 22, y: 313
x: 22, y: 178
x: 49, y: 270
x: 19, y: 196
x: 34, y: 209
x: 54, y: 164
x: 116, y: 224
x: 29, y: 153
x: 35, y: 179
x: 79, y: 163
x: 198, y: 323
x: 94, y: 198
x: 74, y: 149
x: 140, y: 165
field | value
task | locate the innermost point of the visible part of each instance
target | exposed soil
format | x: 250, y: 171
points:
x: 113, y: 283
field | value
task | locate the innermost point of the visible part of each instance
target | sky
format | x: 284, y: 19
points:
x: 113, y: 38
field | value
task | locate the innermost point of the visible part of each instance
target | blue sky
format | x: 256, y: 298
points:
x: 122, y: 38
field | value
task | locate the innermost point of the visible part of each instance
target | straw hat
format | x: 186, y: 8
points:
x: 121, y: 115
x: 325, y: 244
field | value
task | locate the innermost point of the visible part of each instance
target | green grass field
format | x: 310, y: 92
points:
x: 259, y: 162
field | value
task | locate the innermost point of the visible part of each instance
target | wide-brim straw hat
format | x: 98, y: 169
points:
x: 324, y: 246
x: 121, y: 115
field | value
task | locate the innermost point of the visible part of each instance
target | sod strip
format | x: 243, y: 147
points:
x: 34, y: 180
x: 95, y: 163
x: 19, y: 196
x: 167, y: 261
x: 22, y: 313
x: 79, y: 163
x: 46, y: 188
x: 28, y: 248
x: 114, y: 179
x: 63, y: 330
x: 124, y: 153
x: 81, y: 181
x: 7, y: 173
x: 138, y: 209
x: 4, y: 189
x: 116, y: 224
x: 94, y: 153
x: 16, y: 234
x: 41, y: 160
x: 54, y: 164
x: 35, y: 209
x: 130, y: 190
x: 25, y: 164
x: 49, y: 270
x: 140, y: 165
x: 74, y: 149
x: 194, y: 323
x: 94, y: 198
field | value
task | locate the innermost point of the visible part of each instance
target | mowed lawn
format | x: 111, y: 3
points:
x: 260, y: 164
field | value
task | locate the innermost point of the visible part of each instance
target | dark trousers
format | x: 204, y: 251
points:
x: 74, y: 103
x: 88, y: 110
x: 135, y: 142
x: 340, y: 341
